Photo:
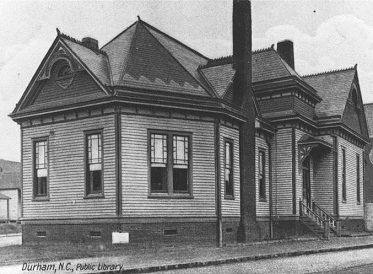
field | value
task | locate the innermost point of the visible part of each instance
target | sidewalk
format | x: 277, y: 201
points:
x: 130, y: 260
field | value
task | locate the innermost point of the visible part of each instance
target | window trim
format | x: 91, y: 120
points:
x: 88, y: 195
x: 262, y: 150
x: 170, y: 194
x: 34, y: 141
x: 231, y: 142
x: 358, y: 178
x: 344, y: 176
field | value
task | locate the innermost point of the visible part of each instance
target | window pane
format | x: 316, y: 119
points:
x: 180, y: 179
x: 96, y: 180
x: 180, y: 147
x: 94, y: 149
x: 262, y: 187
x: 41, y: 154
x: 158, y: 179
x: 40, y: 168
x: 158, y: 148
x: 94, y: 163
x: 228, y: 174
x: 41, y: 186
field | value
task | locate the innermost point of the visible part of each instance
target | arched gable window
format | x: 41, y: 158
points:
x: 62, y: 73
x: 61, y: 68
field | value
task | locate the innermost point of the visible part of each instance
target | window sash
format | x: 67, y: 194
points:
x: 262, y: 186
x: 169, y: 151
x: 158, y: 144
x: 228, y: 168
x: 94, y: 163
x: 344, y: 194
x: 40, y: 168
x: 358, y: 178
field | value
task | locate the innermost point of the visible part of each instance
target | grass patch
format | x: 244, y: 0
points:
x: 10, y: 228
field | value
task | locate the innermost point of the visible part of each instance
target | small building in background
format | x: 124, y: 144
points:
x: 10, y: 190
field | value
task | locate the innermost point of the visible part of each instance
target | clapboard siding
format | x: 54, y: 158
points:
x: 299, y: 171
x: 350, y: 207
x: 230, y: 207
x: 135, y: 177
x: 282, y: 172
x: 322, y: 184
x: 262, y: 207
x: 66, y: 170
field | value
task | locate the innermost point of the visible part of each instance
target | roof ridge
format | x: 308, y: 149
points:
x: 72, y: 39
x: 329, y: 71
x: 263, y: 49
x: 224, y: 60
x: 172, y: 38
x: 116, y: 36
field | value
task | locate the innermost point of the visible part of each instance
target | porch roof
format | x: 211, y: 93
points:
x: 309, y: 140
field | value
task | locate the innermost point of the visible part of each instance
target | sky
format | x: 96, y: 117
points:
x: 327, y: 35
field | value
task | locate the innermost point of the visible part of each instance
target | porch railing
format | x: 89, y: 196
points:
x: 320, y: 217
x: 333, y: 223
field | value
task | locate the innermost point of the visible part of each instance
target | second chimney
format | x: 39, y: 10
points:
x: 286, y: 50
x: 90, y: 43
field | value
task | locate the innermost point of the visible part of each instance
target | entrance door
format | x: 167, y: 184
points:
x: 306, y: 182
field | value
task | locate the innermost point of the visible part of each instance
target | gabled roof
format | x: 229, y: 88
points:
x: 97, y: 62
x: 10, y: 174
x: 144, y: 57
x: 267, y: 66
x: 333, y: 87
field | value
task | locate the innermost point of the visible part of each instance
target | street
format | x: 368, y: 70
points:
x: 356, y: 261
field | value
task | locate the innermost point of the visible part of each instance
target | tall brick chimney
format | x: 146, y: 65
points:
x: 243, y: 98
x: 90, y: 43
x: 286, y: 50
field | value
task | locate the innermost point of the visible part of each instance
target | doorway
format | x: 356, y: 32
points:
x: 306, y: 181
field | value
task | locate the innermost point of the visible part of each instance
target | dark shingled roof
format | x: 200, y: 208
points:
x: 144, y: 57
x: 10, y: 174
x: 368, y: 109
x: 96, y: 62
x: 267, y: 65
x: 333, y: 87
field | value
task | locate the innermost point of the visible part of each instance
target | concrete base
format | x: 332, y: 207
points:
x: 200, y: 232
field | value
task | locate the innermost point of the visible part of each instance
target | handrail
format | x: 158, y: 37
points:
x: 306, y: 211
x: 333, y: 223
x: 320, y: 217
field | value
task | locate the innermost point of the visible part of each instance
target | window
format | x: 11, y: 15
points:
x: 344, y: 194
x: 41, y: 168
x: 170, y: 163
x: 358, y: 178
x: 228, y: 169
x: 94, y: 163
x: 262, y: 179
x: 61, y: 68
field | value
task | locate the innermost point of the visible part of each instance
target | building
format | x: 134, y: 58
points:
x: 10, y: 190
x: 368, y: 170
x: 147, y: 140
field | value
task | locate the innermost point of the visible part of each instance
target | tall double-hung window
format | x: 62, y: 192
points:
x: 41, y: 168
x: 94, y: 163
x: 344, y: 187
x: 170, y: 163
x: 228, y: 170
